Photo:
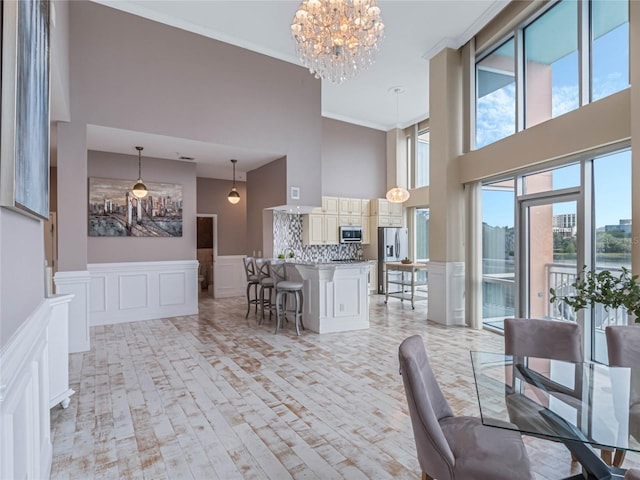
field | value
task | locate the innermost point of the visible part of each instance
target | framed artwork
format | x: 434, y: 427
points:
x: 24, y: 128
x: 114, y: 211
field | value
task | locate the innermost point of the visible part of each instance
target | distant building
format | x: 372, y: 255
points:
x: 624, y: 225
x: 565, y: 223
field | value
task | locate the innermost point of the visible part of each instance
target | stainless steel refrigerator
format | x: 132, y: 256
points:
x: 393, y: 246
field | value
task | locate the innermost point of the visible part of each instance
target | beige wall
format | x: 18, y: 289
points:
x: 351, y: 152
x: 22, y: 272
x: 264, y: 190
x: 142, y: 249
x: 232, y: 219
x: 131, y: 73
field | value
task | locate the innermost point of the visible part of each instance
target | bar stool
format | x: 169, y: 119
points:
x: 284, y: 287
x: 263, y: 266
x: 252, y: 281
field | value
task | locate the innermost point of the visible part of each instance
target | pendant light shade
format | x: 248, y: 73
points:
x: 140, y: 189
x: 398, y: 195
x: 234, y: 196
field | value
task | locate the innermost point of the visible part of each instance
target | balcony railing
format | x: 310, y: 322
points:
x: 498, y: 293
x: 560, y: 277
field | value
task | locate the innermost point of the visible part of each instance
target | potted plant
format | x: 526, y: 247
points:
x: 592, y: 287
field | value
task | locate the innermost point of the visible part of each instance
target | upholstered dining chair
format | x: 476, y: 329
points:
x: 252, y: 281
x: 623, y: 347
x: 632, y: 474
x: 454, y: 447
x: 533, y: 337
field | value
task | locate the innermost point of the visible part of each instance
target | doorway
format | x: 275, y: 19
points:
x: 50, y: 250
x: 206, y: 251
x: 550, y: 253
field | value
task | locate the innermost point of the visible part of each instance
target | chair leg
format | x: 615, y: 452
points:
x: 279, y: 295
x: 297, y: 313
x: 426, y: 477
x: 606, y: 456
x: 618, y: 457
x: 248, y: 299
x: 255, y: 295
x: 261, y: 305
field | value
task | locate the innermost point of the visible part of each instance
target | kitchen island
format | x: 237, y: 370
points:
x: 336, y: 295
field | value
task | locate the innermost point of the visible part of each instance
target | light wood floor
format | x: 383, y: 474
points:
x: 217, y: 396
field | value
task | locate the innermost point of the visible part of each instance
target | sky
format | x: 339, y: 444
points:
x: 612, y: 173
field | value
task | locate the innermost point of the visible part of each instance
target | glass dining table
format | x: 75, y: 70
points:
x: 583, y: 405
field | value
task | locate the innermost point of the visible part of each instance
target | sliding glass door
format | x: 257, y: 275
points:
x: 550, y: 240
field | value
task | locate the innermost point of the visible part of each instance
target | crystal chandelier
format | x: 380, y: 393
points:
x: 335, y: 39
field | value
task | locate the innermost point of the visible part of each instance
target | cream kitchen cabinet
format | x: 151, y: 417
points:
x: 350, y: 206
x: 320, y: 229
x: 350, y: 220
x: 388, y: 214
x: 381, y: 206
x: 364, y: 207
x: 330, y: 205
x: 366, y: 234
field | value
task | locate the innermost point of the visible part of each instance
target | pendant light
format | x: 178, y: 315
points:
x: 397, y: 194
x: 140, y: 189
x: 234, y: 196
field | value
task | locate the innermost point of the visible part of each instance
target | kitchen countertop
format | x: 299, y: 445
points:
x: 330, y: 264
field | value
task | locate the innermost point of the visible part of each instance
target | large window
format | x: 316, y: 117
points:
x: 546, y: 62
x: 422, y: 161
x: 612, y: 234
x: 498, y: 245
x: 610, y: 51
x: 551, y: 64
x: 422, y: 234
x: 496, y: 95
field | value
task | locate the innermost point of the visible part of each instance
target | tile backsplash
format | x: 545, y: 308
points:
x: 287, y: 237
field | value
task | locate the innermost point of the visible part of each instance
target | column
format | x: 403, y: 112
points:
x: 447, y: 215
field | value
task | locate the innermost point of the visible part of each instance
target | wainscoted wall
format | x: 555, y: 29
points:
x: 229, y: 277
x: 126, y: 292
x: 25, y: 392
x: 287, y: 237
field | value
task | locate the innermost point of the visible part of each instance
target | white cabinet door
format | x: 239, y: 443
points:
x: 380, y: 206
x: 331, y: 229
x: 350, y: 220
x: 395, y: 221
x: 384, y: 221
x: 395, y: 209
x: 364, y: 207
x: 330, y: 205
x: 313, y: 229
x: 365, y: 231
x: 350, y: 206
x: 373, y: 278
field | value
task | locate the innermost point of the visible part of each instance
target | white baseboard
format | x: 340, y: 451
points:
x: 133, y: 291
x: 228, y: 276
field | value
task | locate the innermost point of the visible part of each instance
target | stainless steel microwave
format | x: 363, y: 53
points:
x: 350, y: 234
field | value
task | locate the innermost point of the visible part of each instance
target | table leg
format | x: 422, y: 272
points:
x: 592, y: 465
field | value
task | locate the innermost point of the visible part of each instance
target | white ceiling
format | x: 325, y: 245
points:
x: 415, y: 30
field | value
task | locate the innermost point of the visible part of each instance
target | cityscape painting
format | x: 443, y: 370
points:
x: 114, y: 211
